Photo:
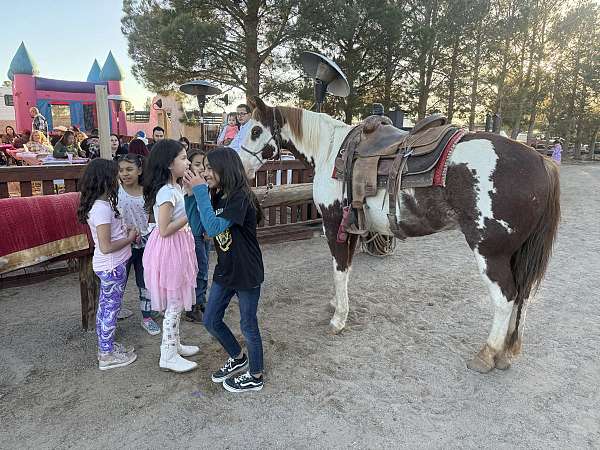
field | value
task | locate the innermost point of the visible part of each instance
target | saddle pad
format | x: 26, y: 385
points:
x: 37, y: 229
x: 434, y: 177
x: 420, y: 163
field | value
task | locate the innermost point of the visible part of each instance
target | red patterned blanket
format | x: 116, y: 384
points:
x: 40, y: 228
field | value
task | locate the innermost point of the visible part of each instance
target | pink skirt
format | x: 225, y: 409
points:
x: 170, y: 269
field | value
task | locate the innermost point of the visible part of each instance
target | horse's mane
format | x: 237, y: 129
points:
x: 305, y: 126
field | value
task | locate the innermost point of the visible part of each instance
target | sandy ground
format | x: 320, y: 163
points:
x: 396, y: 378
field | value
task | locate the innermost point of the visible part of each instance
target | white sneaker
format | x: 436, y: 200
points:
x: 115, y: 359
x: 187, y: 350
x: 171, y: 361
x: 119, y: 348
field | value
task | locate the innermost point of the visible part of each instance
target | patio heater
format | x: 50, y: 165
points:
x: 200, y: 89
x: 327, y: 75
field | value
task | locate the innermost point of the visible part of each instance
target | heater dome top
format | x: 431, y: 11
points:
x: 327, y: 71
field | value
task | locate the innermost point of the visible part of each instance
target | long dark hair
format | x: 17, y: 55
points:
x: 101, y: 177
x: 227, y: 164
x: 157, y: 172
x: 14, y: 133
x: 183, y: 139
x: 137, y: 146
x: 136, y: 160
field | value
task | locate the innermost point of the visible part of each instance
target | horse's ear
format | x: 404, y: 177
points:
x: 256, y: 102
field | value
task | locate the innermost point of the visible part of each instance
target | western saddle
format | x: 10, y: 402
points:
x: 377, y: 155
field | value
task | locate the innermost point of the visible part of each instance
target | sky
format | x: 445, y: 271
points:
x: 64, y: 36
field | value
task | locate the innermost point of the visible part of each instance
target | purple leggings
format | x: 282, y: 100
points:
x: 112, y: 287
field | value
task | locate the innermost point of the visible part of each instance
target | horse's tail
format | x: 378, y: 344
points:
x: 530, y: 261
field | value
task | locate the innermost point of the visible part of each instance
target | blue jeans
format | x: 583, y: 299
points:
x: 138, y: 268
x: 202, y: 248
x: 218, y: 301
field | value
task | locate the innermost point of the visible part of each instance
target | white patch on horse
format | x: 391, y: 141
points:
x: 479, y: 156
x: 502, y: 307
x: 340, y: 277
x: 377, y: 209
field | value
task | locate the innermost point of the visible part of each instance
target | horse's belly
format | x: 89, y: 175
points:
x: 419, y: 213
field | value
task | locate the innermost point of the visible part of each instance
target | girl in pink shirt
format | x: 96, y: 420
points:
x: 112, y: 249
x: 230, y: 131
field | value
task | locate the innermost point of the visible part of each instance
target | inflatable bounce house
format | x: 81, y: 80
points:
x: 75, y: 100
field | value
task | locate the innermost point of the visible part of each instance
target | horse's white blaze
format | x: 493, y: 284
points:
x: 479, y: 156
x: 502, y: 307
x: 340, y: 279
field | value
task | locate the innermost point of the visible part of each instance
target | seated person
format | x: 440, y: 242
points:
x: 67, y: 144
x: 91, y: 145
x: 39, y: 143
x: 116, y: 149
x: 9, y: 135
x: 57, y: 134
x: 22, y: 139
x: 229, y: 132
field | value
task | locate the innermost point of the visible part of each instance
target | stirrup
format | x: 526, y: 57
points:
x: 353, y: 229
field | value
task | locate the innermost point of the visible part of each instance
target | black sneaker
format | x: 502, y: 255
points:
x: 195, y: 315
x: 230, y: 367
x: 245, y: 382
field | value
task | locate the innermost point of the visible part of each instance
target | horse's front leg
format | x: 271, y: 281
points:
x: 341, y: 253
x: 342, y: 261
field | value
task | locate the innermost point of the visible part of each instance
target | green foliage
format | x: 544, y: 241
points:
x: 534, y: 62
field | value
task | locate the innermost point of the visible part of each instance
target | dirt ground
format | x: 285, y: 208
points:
x: 396, y: 378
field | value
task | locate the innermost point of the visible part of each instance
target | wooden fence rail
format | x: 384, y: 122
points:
x: 280, y: 220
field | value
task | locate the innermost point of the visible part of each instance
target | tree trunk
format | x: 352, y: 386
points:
x: 501, y: 82
x: 252, y: 59
x: 580, y: 124
x: 592, y: 145
x: 452, y: 78
x: 524, y: 83
x: 387, y: 83
x: 475, y: 79
x: 541, y: 55
x: 348, y: 109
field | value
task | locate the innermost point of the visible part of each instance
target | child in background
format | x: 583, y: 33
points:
x: 557, y: 151
x: 202, y: 246
x: 230, y: 215
x: 230, y: 131
x: 112, y: 250
x: 169, y: 260
x: 131, y: 206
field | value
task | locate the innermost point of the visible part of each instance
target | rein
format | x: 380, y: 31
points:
x: 275, y: 136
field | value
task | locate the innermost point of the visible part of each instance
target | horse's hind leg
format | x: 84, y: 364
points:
x: 497, y: 274
x: 514, y: 336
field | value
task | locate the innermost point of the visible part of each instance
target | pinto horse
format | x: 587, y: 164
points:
x: 502, y: 195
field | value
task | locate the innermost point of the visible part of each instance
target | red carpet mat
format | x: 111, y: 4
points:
x: 37, y: 229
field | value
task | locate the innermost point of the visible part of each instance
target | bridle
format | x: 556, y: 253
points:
x: 275, y: 136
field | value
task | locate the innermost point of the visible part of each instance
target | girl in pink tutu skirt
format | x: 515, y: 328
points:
x: 169, y: 259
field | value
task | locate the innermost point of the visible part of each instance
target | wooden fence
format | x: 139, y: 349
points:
x: 281, y: 222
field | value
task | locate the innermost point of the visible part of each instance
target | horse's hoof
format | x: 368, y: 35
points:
x: 336, y: 326
x: 503, y: 361
x: 483, y: 361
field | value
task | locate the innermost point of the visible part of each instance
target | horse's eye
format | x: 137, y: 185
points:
x: 256, y: 131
